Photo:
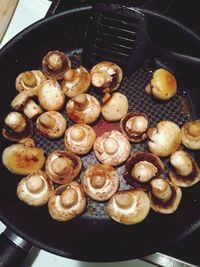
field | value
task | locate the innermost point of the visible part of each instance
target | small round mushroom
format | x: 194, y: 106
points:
x: 100, y: 182
x: 51, y: 124
x: 163, y: 85
x: 63, y: 166
x: 185, y: 171
x: 164, y: 139
x: 79, y: 138
x: 190, y: 133
x: 129, y: 207
x: 83, y: 108
x: 76, y: 81
x: 50, y: 95
x: 134, y: 126
x: 35, y: 189
x: 55, y: 64
x: 112, y: 148
x: 67, y: 202
x: 106, y: 75
x: 17, y: 127
x: 165, y: 196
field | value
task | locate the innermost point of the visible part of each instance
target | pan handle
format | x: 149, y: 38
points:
x: 13, y: 249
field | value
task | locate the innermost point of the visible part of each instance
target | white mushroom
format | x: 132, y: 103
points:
x: 31, y: 109
x: 190, y: 133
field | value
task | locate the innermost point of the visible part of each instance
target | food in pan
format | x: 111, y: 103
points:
x: 31, y: 109
x: 190, y: 133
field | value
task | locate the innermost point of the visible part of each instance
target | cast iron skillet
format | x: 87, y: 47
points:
x: 93, y: 236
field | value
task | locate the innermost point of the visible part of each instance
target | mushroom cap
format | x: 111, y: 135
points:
x: 129, y: 207
x: 76, y: 81
x: 83, y: 108
x: 20, y: 100
x: 164, y: 139
x: 79, y: 138
x: 67, y: 202
x: 112, y: 148
x: 35, y: 189
x: 62, y: 166
x: 190, y: 133
x: 51, y: 124
x: 100, y: 182
x: 50, y: 95
x: 115, y: 107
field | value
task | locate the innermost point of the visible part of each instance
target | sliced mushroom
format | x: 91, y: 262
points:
x: 185, y: 171
x: 165, y: 138
x: 79, y: 138
x: 67, y: 202
x: 83, y: 108
x: 165, y: 196
x: 55, y: 64
x: 51, y: 124
x: 190, y: 132
x: 106, y: 76
x: 63, y: 166
x: 35, y: 189
x: 100, y: 182
x: 129, y: 207
x: 163, y: 85
x: 23, y: 158
x: 51, y: 96
x: 112, y: 148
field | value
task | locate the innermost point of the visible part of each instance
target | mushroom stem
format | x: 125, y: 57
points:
x: 15, y: 121
x: 124, y: 200
x: 110, y: 145
x: 81, y: 102
x: 69, y: 197
x: 137, y: 125
x: 182, y: 163
x: 77, y: 134
x: 101, y: 79
x: 194, y: 129
x: 71, y: 75
x: 144, y: 171
x: 161, y: 189
x: 54, y: 61
x: 47, y: 121
x: 35, y: 184
x: 61, y: 166
x: 29, y: 79
x: 98, y: 181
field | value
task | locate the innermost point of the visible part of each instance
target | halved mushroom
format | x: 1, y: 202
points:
x: 63, y: 166
x: 35, y: 189
x: 50, y: 95
x: 129, y: 207
x: 51, y: 124
x: 165, y: 138
x: 163, y: 85
x: 55, y: 64
x: 106, y: 75
x: 23, y: 158
x: 17, y: 127
x: 190, y: 132
x: 83, y: 108
x: 134, y: 126
x: 79, y: 138
x: 100, y: 182
x: 67, y: 202
x: 185, y: 171
x: 76, y: 81
x: 112, y: 148
x: 165, y: 196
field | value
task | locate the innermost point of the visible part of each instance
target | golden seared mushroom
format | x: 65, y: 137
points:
x: 129, y: 207
x: 190, y: 133
x: 76, y: 81
x: 63, y: 166
x: 17, y: 127
x: 106, y: 75
x: 83, y: 108
x: 51, y: 124
x: 164, y: 139
x: 141, y: 168
x: 79, y: 138
x: 165, y: 196
x: 50, y: 95
x: 55, y: 64
x: 185, y: 171
x: 23, y: 158
x: 134, y: 126
x: 112, y: 148
x: 163, y: 85
x: 35, y: 189
x: 100, y: 182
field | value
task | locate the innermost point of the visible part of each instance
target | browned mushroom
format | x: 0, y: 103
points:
x: 100, y: 182
x: 190, y: 133
x: 67, y: 202
x: 165, y: 196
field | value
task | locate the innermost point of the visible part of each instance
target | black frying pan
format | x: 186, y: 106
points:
x: 93, y: 236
